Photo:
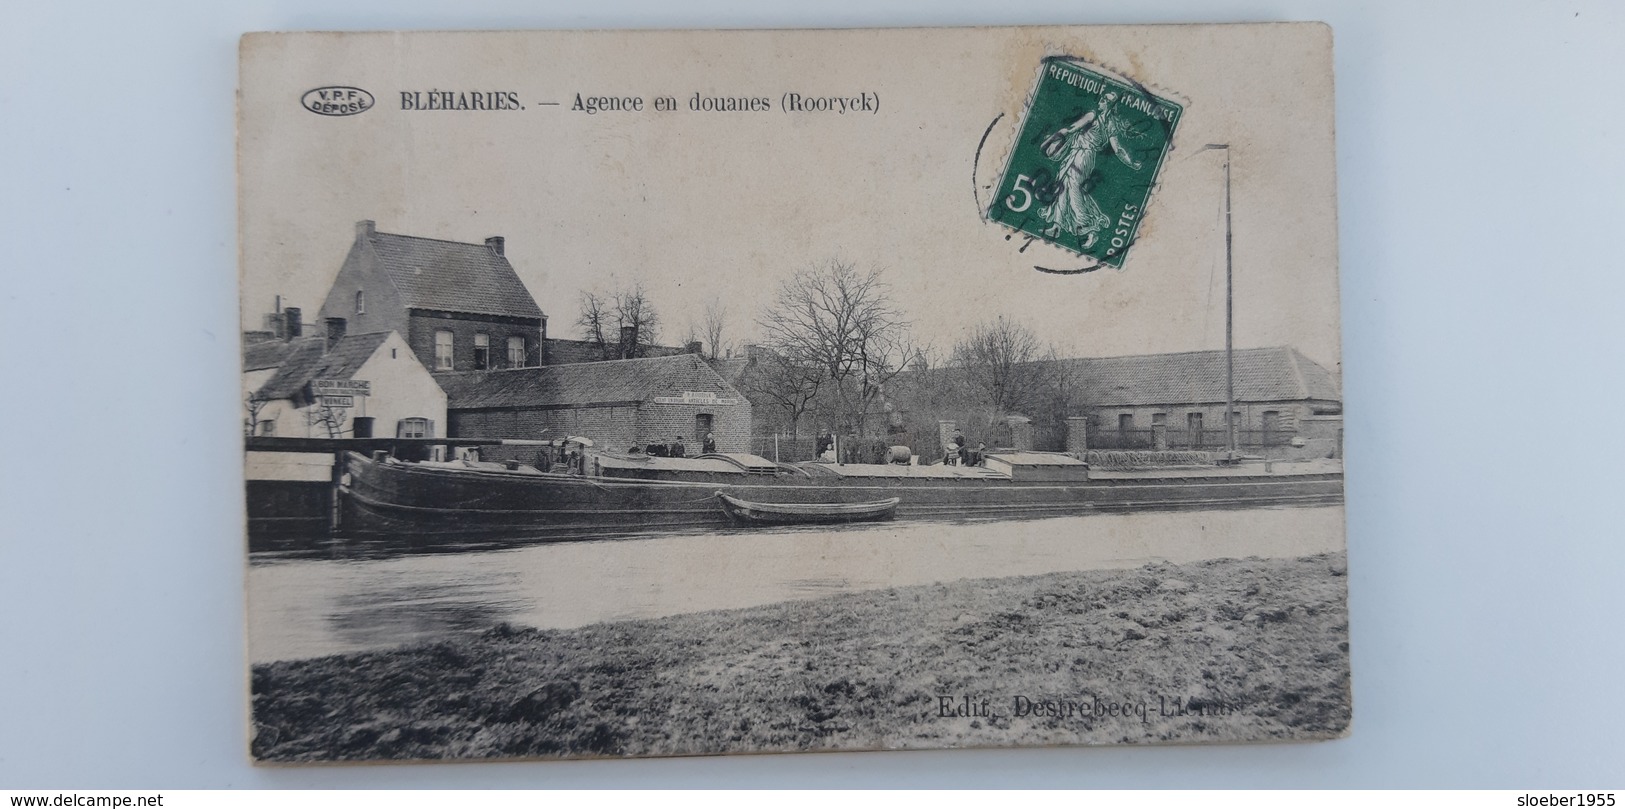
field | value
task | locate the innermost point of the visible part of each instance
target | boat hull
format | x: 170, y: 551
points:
x: 418, y: 504
x: 745, y: 511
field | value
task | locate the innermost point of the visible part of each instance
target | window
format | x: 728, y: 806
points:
x: 1159, y: 419
x: 482, y: 352
x: 442, y: 350
x: 1125, y: 422
x: 414, y: 428
x: 516, y: 352
x: 1271, y: 425
x: 360, y: 302
x: 267, y: 427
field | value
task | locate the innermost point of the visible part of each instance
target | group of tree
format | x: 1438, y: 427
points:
x: 837, y: 340
x: 999, y: 369
x: 837, y: 353
x: 607, y: 316
x: 710, y: 330
x: 840, y: 354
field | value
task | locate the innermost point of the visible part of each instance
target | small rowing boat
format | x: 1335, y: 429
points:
x: 795, y: 513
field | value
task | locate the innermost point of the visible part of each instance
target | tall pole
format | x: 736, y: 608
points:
x: 1229, y: 310
x: 1229, y: 319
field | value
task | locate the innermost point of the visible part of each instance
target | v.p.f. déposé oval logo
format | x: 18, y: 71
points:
x: 337, y: 100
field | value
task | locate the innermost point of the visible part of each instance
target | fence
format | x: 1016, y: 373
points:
x: 788, y: 449
x: 784, y: 448
x: 1187, y: 439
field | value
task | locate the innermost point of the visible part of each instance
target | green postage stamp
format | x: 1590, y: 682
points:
x: 1085, y: 160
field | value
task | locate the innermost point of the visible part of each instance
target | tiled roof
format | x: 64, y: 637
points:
x: 453, y: 276
x: 732, y: 369
x: 583, y: 383
x: 258, y: 356
x: 305, y: 361
x: 1262, y: 375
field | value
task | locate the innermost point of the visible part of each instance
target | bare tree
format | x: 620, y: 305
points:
x: 595, y: 317
x: 605, y: 316
x: 840, y: 321
x: 715, y: 319
x: 780, y: 380
x: 691, y: 333
x: 633, y: 308
x: 1005, y: 365
x: 254, y: 405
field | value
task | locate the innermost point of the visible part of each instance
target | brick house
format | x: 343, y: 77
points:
x: 460, y: 306
x: 1170, y: 401
x: 618, y: 404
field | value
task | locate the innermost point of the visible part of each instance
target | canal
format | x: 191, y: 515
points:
x: 301, y: 607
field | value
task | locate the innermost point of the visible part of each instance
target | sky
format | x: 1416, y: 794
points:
x: 721, y: 206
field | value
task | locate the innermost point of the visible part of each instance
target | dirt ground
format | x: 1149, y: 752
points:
x: 1220, y: 650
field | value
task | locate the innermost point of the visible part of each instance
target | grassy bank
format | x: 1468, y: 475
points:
x: 1251, y: 649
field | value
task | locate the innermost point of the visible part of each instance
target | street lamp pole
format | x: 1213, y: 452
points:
x: 1229, y: 312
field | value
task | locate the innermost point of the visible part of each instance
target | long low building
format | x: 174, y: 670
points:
x: 1177, y: 400
x: 619, y: 404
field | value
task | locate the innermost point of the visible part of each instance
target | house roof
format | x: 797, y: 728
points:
x: 731, y: 368
x: 638, y: 380
x: 1262, y: 375
x: 260, y: 355
x: 305, y: 361
x: 453, y: 276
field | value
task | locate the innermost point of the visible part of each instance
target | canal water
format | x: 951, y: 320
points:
x: 304, y: 607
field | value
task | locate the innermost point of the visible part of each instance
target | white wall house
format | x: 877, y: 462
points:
x: 402, y: 399
x: 281, y: 382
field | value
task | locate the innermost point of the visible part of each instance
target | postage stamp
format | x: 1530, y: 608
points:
x: 1085, y: 161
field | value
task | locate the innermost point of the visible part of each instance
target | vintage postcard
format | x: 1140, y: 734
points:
x: 656, y: 393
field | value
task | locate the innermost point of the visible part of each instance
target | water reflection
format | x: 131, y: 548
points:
x: 377, y: 615
x: 307, y: 607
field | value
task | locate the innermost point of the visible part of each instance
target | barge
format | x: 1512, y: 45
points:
x: 425, y: 503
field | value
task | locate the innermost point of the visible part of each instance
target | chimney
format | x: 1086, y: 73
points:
x: 292, y: 329
x: 366, y: 229
x: 495, y: 244
x: 695, y: 347
x: 335, y: 332
x: 629, y: 342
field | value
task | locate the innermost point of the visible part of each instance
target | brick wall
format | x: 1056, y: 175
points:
x: 463, y: 327
x: 1252, y: 415
x: 566, y: 352
x: 1323, y: 436
x: 1077, y: 434
x: 615, y: 428
x: 361, y: 273
x: 661, y: 423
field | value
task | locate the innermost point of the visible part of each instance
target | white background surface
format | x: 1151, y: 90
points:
x: 1481, y: 189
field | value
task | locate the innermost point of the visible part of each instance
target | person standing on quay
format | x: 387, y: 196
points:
x: 956, y: 449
